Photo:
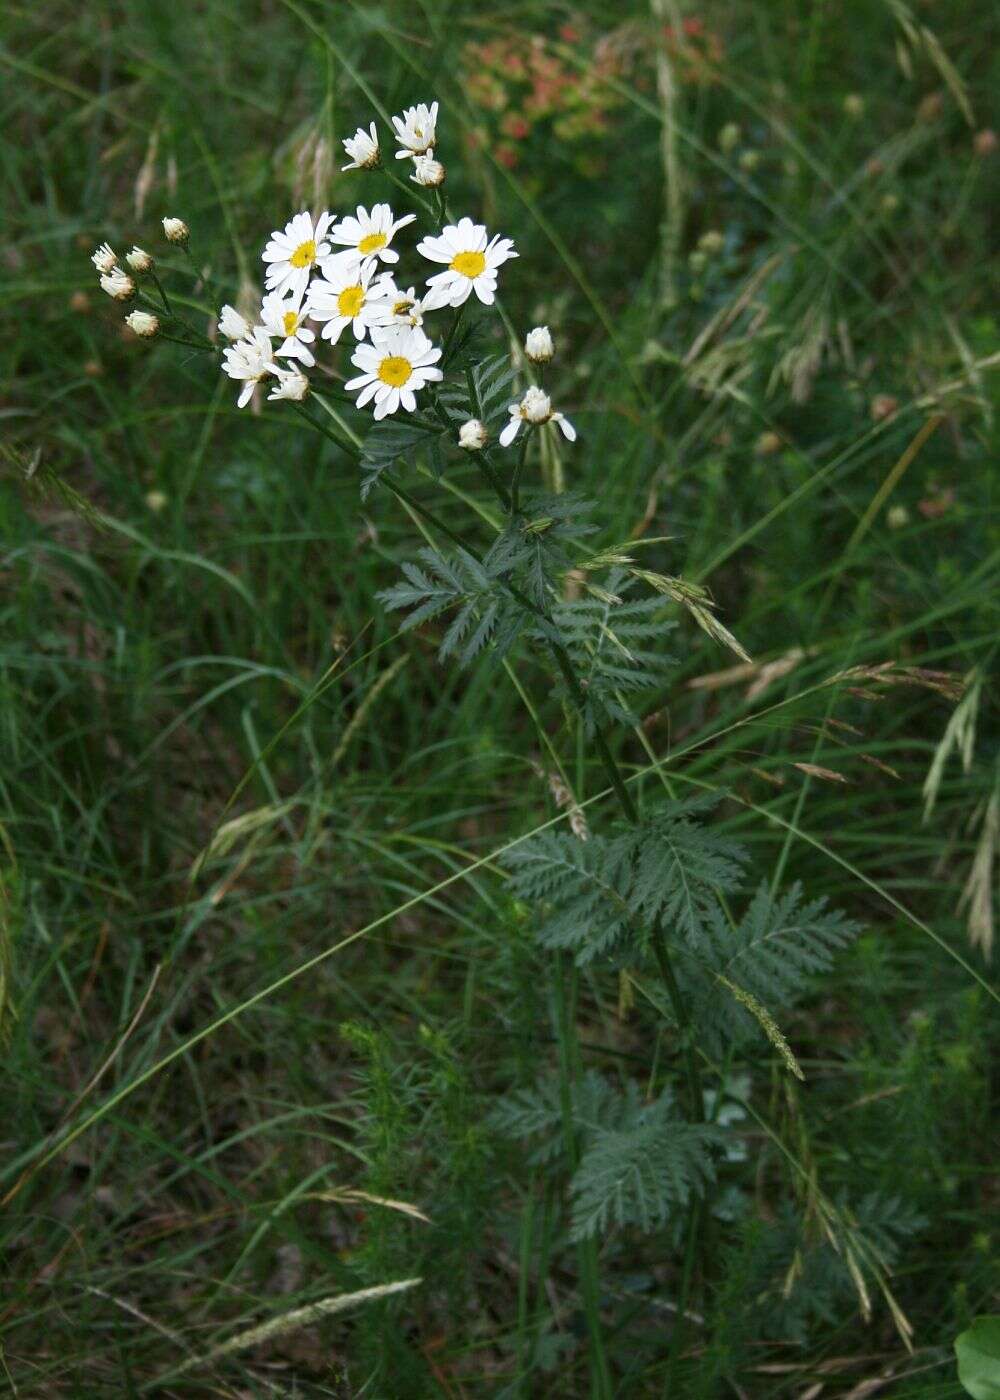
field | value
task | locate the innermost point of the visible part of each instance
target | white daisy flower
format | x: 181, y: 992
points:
x: 427, y: 171
x: 284, y: 319
x: 292, y: 252
x: 139, y: 260
x: 232, y: 325
x: 395, y: 307
x: 473, y: 435
x: 292, y: 384
x: 104, y: 258
x: 538, y: 345
x: 392, y: 371
x: 363, y: 149
x: 472, y: 259
x: 535, y: 408
x: 118, y: 284
x: 366, y: 236
x: 248, y: 360
x: 344, y: 297
x: 144, y: 323
x: 415, y: 130
x: 176, y: 230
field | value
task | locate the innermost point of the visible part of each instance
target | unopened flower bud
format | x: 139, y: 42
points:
x: 697, y: 261
x: 79, y: 301
x: 473, y: 435
x: 984, y: 143
x: 889, y: 203
x: 538, y: 345
x: 427, y: 171
x: 768, y: 444
x: 139, y: 260
x: 712, y: 242
x: 749, y: 161
x: 156, y: 501
x: 930, y: 107
x: 118, y: 284
x: 896, y: 517
x: 104, y: 258
x: 144, y: 323
x: 883, y: 406
x: 176, y: 230
x: 362, y: 147
x: 232, y: 325
x: 854, y: 105
x: 729, y: 138
x: 536, y: 406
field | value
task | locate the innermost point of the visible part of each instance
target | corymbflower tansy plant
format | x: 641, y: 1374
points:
x: 379, y: 353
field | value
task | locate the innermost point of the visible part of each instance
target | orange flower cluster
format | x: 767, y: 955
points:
x: 528, y: 83
x: 524, y: 84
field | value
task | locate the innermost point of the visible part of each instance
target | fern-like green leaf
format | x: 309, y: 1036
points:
x: 773, y: 953
x: 638, y: 1172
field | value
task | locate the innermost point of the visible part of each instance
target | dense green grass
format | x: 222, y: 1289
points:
x: 191, y: 635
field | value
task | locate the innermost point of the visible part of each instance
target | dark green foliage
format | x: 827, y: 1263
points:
x: 392, y: 439
x: 486, y: 613
x: 599, y: 894
x: 494, y: 386
x: 774, y: 952
x: 642, y: 1169
x: 615, y: 643
x: 639, y: 1160
x: 189, y: 634
x: 580, y: 889
x: 535, y: 548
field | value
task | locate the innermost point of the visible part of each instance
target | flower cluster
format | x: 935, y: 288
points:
x: 338, y: 275
x: 328, y: 277
x: 122, y: 283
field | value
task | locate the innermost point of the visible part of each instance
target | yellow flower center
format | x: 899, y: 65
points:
x: 351, y: 300
x: 468, y: 264
x: 401, y: 307
x: 395, y: 370
x: 305, y: 254
x: 371, y: 242
x: 290, y: 321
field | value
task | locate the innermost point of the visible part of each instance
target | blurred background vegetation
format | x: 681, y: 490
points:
x: 761, y: 234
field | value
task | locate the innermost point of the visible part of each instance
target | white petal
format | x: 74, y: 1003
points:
x: 510, y: 432
x: 565, y: 427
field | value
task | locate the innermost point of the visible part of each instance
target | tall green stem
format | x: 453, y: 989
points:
x: 586, y: 1249
x: 588, y: 1257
